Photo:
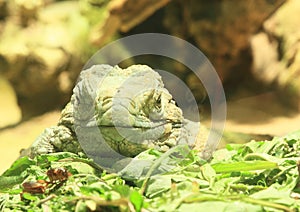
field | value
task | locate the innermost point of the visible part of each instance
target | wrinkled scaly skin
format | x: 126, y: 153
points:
x: 129, y: 108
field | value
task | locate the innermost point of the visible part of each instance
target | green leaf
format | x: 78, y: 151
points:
x: 19, y: 166
x: 219, y: 206
x: 223, y: 155
x: 136, y: 169
x: 97, y: 187
x: 208, y: 172
x: 243, y: 166
x: 291, y: 136
x: 157, y: 185
x: 270, y: 193
x: 257, y: 176
x: 29, y: 196
x: 80, y: 206
x: 123, y: 190
x: 9, y: 182
x: 137, y: 200
x: 45, y: 158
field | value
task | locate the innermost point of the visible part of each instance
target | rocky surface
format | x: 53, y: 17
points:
x: 38, y: 55
x: 221, y: 29
x: 276, y: 53
x: 42, y: 56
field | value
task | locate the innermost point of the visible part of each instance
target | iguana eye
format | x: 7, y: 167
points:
x: 156, y: 114
x: 158, y: 102
x: 172, y: 101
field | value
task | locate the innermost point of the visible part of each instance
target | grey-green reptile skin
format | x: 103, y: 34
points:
x: 129, y: 108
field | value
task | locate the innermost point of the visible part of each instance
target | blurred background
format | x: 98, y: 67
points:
x: 253, y: 45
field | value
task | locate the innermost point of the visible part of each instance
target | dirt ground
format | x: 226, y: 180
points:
x: 259, y: 114
x: 14, y: 139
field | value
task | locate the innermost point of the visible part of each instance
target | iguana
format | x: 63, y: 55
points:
x: 119, y: 110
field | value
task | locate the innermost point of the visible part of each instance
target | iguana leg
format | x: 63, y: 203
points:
x: 55, y: 139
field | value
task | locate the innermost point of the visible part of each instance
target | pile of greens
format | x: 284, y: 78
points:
x: 256, y: 176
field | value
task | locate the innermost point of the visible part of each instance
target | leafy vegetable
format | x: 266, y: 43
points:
x: 256, y: 176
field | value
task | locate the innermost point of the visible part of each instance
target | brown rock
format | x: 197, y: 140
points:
x: 276, y: 52
x: 39, y: 56
x: 44, y: 45
x: 221, y: 29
